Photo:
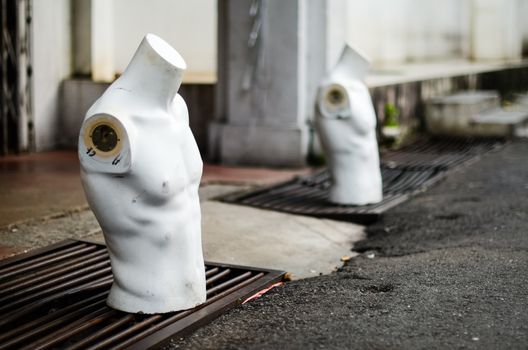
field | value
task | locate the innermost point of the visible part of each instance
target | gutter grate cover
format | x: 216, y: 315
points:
x: 443, y: 153
x: 405, y: 172
x: 55, y: 298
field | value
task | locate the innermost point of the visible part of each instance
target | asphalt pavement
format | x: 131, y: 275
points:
x: 446, y: 270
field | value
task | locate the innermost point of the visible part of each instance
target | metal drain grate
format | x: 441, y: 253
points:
x: 54, y: 298
x: 441, y: 153
x: 308, y: 195
x: 405, y: 172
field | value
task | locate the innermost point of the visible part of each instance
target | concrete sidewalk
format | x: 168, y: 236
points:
x: 43, y: 203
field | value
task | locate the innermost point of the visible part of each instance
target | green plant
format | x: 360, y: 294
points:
x: 391, y: 115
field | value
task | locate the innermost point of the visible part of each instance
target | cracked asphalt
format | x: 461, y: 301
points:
x: 446, y: 270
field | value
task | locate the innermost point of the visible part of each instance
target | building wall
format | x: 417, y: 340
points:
x: 399, y: 31
x: 389, y: 31
x: 496, y: 29
x: 51, y: 57
x: 78, y: 94
x: 524, y: 26
x: 190, y: 26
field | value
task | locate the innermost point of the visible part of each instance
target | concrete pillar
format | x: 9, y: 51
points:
x: 82, y: 36
x: 496, y: 29
x: 51, y: 63
x: 93, y: 39
x: 272, y: 55
x: 102, y: 39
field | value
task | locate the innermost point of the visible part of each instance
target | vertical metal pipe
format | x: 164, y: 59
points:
x: 3, y: 77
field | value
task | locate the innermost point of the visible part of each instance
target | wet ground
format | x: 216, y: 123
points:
x: 44, y: 184
x: 42, y: 202
x: 448, y: 269
x: 39, y: 185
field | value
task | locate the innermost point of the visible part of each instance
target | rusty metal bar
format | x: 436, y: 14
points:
x: 65, y: 312
x: 55, y: 322
x: 129, y: 331
x: 56, y: 281
x: 234, y: 288
x: 33, y: 260
x: 82, y: 344
x: 42, y: 261
x: 83, y: 323
x: 54, y: 289
x: 211, y: 271
x: 34, y: 253
x: 228, y: 283
x: 24, y: 310
x: 218, y: 276
x: 46, y: 274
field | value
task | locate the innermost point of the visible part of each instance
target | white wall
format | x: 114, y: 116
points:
x: 51, y: 57
x: 497, y: 30
x: 190, y: 26
x: 336, y: 35
x: 388, y: 31
x: 398, y: 31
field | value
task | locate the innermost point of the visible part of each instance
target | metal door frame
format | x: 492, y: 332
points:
x: 16, y: 125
